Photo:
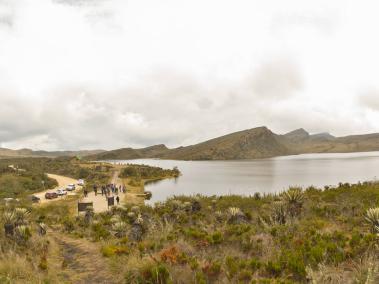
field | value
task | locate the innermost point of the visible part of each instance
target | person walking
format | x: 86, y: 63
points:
x: 118, y: 200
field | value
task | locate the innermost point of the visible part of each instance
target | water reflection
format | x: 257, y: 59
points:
x: 267, y: 175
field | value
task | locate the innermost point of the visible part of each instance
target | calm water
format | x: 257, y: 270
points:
x: 246, y: 177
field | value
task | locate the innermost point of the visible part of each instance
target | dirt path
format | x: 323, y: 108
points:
x: 79, y: 261
x: 62, y: 183
x: 100, y: 201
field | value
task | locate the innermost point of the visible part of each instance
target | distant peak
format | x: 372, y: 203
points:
x: 298, y: 134
x: 298, y: 131
x: 324, y: 135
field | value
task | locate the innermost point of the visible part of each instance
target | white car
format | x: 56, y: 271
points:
x: 61, y: 192
x: 81, y: 182
x: 70, y: 187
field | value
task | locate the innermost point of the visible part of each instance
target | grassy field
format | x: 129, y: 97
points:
x: 327, y: 235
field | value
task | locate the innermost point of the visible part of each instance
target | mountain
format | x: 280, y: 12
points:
x: 22, y: 153
x: 297, y: 135
x: 255, y: 143
x: 130, y: 153
x: 248, y: 144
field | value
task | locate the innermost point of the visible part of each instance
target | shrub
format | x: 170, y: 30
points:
x: 294, y: 198
x: 99, y: 232
x: 273, y: 268
x: 372, y: 217
x: 212, y: 268
x: 155, y: 273
x: 169, y: 255
x: 216, y: 238
x: 112, y: 250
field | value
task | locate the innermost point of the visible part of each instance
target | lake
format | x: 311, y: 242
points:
x: 245, y: 177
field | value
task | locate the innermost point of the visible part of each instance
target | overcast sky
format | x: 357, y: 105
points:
x: 86, y: 74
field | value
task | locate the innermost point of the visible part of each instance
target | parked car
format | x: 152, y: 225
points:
x: 70, y: 187
x: 35, y: 199
x: 81, y: 182
x: 61, y: 192
x: 51, y: 195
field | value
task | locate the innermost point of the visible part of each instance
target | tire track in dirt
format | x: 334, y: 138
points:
x: 81, y: 261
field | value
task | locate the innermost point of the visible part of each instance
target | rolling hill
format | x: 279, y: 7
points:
x: 253, y: 143
x: 26, y: 153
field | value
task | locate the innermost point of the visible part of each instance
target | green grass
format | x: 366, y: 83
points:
x: 327, y: 232
x: 316, y: 234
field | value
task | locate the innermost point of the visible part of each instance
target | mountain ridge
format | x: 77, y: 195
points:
x: 254, y: 143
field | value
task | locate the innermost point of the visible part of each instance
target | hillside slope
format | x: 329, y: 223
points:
x: 130, y: 153
x: 27, y: 153
x: 253, y: 143
x: 248, y: 144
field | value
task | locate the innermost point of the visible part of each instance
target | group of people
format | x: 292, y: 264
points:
x: 108, y: 190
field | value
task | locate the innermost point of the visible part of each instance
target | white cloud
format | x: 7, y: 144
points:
x: 113, y: 73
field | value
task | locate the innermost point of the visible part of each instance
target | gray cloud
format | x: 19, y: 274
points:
x: 109, y: 74
x: 80, y: 2
x: 277, y: 79
x: 7, y: 14
x: 163, y: 107
x: 369, y: 99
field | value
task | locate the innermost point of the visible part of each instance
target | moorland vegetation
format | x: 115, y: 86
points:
x: 328, y: 235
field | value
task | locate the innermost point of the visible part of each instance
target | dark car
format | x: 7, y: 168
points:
x: 51, y: 195
x: 35, y: 199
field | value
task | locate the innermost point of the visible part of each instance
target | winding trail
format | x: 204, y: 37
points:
x: 62, y: 183
x: 79, y: 261
x: 99, y: 201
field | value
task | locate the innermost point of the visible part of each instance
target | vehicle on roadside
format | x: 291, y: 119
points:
x: 70, y: 187
x: 35, y: 199
x: 51, y: 195
x: 81, y: 182
x: 61, y: 192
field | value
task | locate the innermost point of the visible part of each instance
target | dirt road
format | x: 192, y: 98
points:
x: 62, y: 183
x: 79, y: 261
x: 100, y: 201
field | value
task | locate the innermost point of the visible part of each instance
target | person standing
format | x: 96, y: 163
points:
x: 118, y: 200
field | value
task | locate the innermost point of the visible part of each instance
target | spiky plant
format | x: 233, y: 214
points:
x: 137, y: 229
x: 139, y: 220
x: 42, y: 229
x: 176, y: 204
x: 115, y: 219
x: 372, y: 217
x: 9, y: 219
x: 235, y: 215
x: 120, y: 229
x: 23, y: 233
x: 294, y: 199
x: 187, y: 206
x: 219, y: 215
x: 234, y: 211
x: 21, y: 215
x: 131, y: 216
x: 279, y: 213
x: 88, y: 216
